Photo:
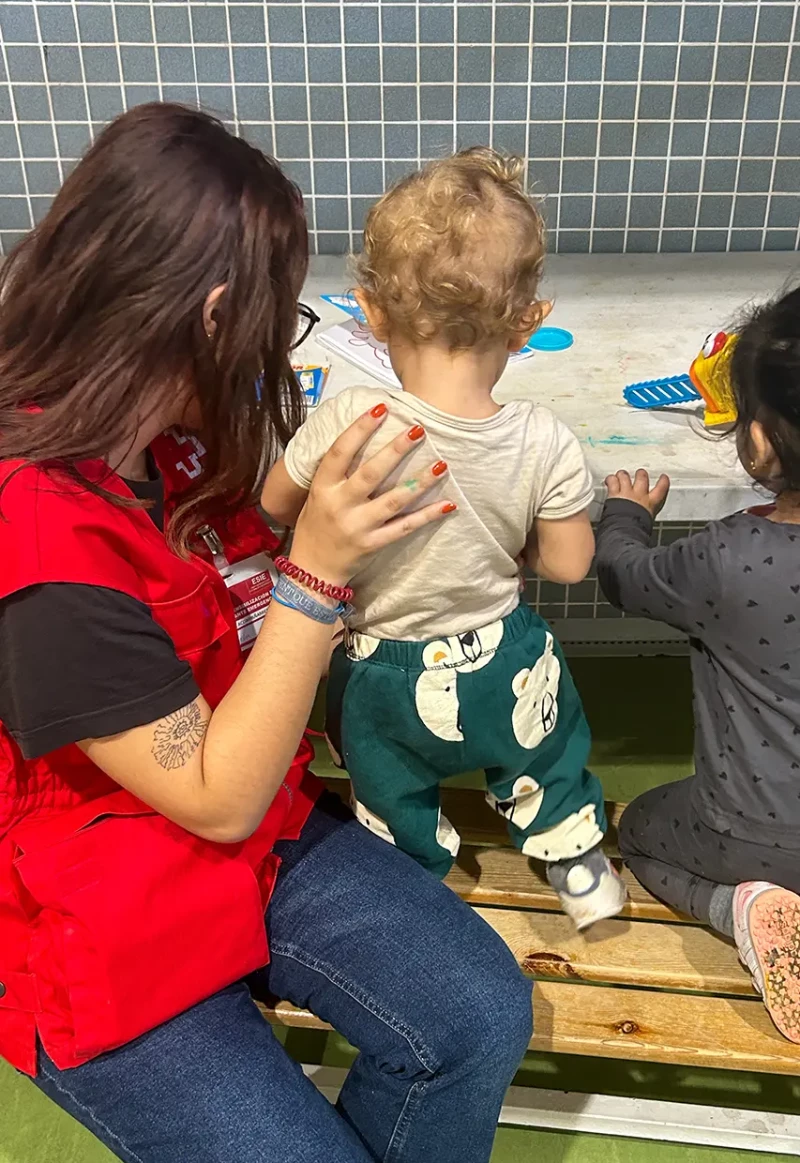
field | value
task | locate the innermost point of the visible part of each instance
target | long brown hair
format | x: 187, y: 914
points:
x: 101, y: 306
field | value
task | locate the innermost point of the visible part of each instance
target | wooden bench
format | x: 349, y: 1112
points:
x: 650, y: 985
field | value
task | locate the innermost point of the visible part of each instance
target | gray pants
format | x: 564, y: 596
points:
x: 680, y: 860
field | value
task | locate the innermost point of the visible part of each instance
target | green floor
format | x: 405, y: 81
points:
x: 32, y: 1132
x: 640, y: 713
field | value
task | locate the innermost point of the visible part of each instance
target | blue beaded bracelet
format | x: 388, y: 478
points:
x: 287, y: 594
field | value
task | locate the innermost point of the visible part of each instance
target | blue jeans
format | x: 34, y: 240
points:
x: 372, y: 943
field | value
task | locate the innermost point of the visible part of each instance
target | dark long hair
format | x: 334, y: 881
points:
x: 765, y: 374
x: 101, y: 306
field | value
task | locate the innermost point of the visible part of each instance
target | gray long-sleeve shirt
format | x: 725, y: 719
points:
x: 734, y: 588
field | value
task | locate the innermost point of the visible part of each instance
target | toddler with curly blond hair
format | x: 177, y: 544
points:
x: 443, y: 669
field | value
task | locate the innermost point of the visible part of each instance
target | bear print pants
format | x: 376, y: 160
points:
x: 403, y: 716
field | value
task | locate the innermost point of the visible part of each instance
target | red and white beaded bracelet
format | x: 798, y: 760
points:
x: 337, y: 593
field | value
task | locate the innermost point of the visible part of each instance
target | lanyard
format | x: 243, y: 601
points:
x: 250, y: 583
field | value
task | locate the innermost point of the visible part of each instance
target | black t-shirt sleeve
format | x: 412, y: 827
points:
x: 81, y: 662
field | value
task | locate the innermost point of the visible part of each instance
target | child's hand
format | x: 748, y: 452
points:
x: 638, y: 489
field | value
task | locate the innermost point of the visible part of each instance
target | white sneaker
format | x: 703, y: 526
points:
x: 591, y: 890
x: 766, y: 928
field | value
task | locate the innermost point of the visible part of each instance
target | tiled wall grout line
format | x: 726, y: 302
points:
x: 313, y: 235
x: 346, y: 85
x: 634, y: 150
x: 381, y: 82
x: 231, y: 67
x: 43, y: 59
x: 635, y: 145
x: 417, y: 83
x: 530, y: 176
x: 82, y: 68
x: 704, y: 154
x: 598, y: 138
x: 194, y: 43
x: 747, y: 92
x: 559, y: 206
x: 673, y: 107
x: 159, y: 84
x: 26, y: 189
x: 770, y: 191
x: 558, y: 214
x: 493, y: 66
x: 122, y: 94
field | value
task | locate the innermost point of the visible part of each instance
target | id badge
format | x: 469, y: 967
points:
x: 250, y: 583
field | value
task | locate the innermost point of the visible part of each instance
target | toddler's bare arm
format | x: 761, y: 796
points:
x: 281, y: 497
x: 561, y: 551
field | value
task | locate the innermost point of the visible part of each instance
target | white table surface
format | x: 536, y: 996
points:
x: 633, y: 317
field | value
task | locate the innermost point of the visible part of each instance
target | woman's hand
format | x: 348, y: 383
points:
x: 619, y: 484
x: 343, y: 521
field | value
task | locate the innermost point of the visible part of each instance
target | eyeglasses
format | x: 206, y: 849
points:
x: 307, y: 319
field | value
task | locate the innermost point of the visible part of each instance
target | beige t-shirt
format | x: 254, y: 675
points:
x: 505, y: 471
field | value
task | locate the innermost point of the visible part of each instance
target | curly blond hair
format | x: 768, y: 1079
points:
x: 455, y: 251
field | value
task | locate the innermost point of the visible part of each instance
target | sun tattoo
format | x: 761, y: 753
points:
x: 178, y: 736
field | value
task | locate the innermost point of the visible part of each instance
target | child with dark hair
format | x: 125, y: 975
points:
x: 724, y: 845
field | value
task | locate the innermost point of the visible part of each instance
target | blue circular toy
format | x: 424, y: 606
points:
x: 550, y: 339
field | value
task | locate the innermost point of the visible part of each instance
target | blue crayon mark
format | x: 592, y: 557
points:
x: 633, y: 441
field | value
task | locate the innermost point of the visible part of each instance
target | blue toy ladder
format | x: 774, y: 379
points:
x: 661, y: 393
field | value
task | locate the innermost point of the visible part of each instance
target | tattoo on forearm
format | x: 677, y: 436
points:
x: 178, y: 736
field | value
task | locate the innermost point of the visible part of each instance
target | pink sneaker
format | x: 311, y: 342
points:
x: 766, y: 927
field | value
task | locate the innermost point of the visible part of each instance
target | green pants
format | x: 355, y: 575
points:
x: 403, y: 716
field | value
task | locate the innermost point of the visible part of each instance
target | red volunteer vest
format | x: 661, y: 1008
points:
x: 112, y: 918
x: 180, y: 459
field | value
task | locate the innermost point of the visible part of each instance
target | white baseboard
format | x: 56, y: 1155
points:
x: 630, y: 1118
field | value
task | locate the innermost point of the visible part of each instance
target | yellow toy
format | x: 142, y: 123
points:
x: 708, y: 380
x: 710, y: 374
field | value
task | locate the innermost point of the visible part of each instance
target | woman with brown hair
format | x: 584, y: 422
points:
x: 155, y: 798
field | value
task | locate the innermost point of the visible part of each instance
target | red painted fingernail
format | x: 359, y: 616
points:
x: 450, y: 507
x: 416, y: 433
x: 378, y: 411
x: 439, y: 468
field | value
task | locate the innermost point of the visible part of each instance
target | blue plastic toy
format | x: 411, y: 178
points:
x: 661, y: 393
x: 549, y: 339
